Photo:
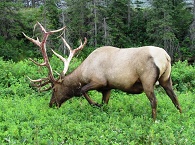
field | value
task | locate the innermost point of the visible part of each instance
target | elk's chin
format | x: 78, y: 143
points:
x: 54, y: 104
x: 51, y: 105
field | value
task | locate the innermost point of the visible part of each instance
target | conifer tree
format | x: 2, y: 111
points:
x: 168, y: 24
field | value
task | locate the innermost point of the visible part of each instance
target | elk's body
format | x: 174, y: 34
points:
x: 132, y: 70
x: 125, y: 69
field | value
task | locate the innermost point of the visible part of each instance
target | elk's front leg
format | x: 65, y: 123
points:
x: 90, y: 101
x: 90, y: 86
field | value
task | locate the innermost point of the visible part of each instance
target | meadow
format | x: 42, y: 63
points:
x: 25, y: 117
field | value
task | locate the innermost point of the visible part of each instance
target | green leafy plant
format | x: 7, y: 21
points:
x: 183, y: 76
x: 25, y: 117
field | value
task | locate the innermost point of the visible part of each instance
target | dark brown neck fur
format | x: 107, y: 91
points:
x: 74, y: 82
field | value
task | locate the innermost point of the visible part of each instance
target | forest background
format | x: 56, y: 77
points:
x: 169, y: 24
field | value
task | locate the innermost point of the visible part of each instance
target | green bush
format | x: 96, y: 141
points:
x: 183, y: 76
x: 13, y: 78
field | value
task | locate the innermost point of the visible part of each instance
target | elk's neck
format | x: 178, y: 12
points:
x: 74, y: 82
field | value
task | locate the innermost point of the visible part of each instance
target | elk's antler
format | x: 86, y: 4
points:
x: 72, y: 53
x: 42, y: 46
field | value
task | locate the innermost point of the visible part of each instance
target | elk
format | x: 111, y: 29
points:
x: 132, y: 70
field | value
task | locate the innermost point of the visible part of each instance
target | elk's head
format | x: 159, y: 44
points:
x: 59, y: 94
x: 59, y: 90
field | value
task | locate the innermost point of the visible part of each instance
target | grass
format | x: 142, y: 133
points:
x: 125, y: 120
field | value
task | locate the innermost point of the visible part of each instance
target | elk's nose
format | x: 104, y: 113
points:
x: 52, y: 104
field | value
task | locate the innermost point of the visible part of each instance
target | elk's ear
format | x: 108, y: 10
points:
x: 54, y: 89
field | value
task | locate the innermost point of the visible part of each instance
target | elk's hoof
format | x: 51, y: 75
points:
x: 97, y: 105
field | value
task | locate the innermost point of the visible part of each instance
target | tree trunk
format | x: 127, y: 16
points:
x: 33, y: 3
x: 105, y: 31
x: 65, y: 50
x: 44, y: 14
x: 129, y: 14
x: 192, y: 30
x: 27, y: 3
x: 95, y: 23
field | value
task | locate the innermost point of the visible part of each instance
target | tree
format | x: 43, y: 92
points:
x: 77, y: 21
x: 11, y: 28
x: 160, y: 28
x: 117, y: 15
x: 100, y: 30
x: 137, y: 29
x: 168, y: 25
x: 52, y: 13
x: 95, y: 22
x: 15, y: 20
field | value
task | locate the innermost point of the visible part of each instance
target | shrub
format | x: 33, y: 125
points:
x: 183, y: 76
x: 25, y: 117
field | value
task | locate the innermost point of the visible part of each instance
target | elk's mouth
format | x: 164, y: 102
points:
x: 57, y: 103
x: 53, y: 104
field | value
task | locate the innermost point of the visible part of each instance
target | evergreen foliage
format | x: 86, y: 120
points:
x: 124, y: 23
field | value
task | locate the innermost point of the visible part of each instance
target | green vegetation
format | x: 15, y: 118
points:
x: 25, y: 117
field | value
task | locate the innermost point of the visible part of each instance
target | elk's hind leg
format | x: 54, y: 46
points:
x: 167, y: 85
x: 105, y: 96
x: 149, y: 91
x: 148, y: 79
x: 148, y: 86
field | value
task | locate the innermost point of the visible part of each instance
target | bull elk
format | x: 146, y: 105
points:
x: 132, y: 70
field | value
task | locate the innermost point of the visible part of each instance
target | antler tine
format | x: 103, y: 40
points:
x: 39, y: 64
x: 37, y: 80
x: 42, y: 28
x: 50, y: 32
x: 36, y: 42
x: 67, y: 45
x: 66, y: 61
x: 40, y: 83
x: 81, y: 46
x: 54, y: 31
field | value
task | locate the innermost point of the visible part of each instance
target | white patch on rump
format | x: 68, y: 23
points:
x: 161, y: 58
